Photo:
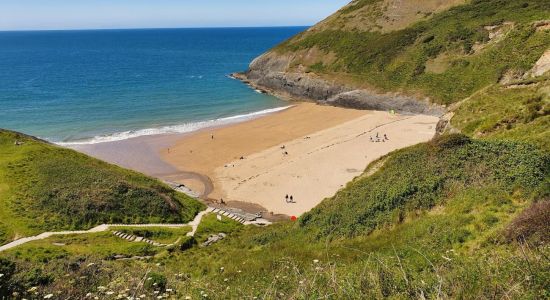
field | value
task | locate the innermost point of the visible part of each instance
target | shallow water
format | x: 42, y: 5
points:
x: 103, y: 85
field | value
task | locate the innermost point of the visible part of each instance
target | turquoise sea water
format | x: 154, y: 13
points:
x: 92, y: 86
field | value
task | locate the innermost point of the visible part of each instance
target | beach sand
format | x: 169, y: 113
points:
x: 327, y: 147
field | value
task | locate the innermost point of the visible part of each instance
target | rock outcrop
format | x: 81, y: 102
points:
x: 270, y: 73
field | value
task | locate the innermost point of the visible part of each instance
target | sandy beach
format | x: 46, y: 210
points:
x: 307, y: 151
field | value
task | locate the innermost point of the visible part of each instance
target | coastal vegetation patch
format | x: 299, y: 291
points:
x: 48, y: 188
x: 468, y: 35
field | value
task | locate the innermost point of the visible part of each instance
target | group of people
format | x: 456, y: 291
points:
x: 378, y: 138
x: 289, y: 199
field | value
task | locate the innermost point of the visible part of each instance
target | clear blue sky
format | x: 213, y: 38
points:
x: 85, y: 14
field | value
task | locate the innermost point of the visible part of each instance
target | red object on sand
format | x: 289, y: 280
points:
x: 293, y: 218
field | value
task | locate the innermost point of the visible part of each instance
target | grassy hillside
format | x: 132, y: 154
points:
x: 461, y: 217
x: 46, y: 188
x: 518, y: 111
x: 446, y: 56
x: 429, y: 175
x: 460, y: 231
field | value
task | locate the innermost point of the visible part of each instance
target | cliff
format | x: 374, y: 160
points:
x: 405, y: 55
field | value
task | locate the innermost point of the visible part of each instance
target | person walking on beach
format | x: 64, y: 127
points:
x: 291, y: 199
x: 385, y: 137
x: 286, y: 198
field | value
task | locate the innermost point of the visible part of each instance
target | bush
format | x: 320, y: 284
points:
x: 7, y: 270
x: 156, y: 281
x: 532, y: 225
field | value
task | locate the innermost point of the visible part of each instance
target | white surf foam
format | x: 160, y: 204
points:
x: 182, y: 128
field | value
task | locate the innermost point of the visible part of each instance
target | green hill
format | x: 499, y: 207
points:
x: 47, y: 188
x: 445, y: 56
x: 465, y: 216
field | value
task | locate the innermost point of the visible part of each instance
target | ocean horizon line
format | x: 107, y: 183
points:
x: 151, y: 28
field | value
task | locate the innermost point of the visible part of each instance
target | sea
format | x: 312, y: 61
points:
x: 93, y: 86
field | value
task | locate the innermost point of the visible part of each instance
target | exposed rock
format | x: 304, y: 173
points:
x: 510, y: 76
x: 269, y: 72
x: 541, y: 66
x: 363, y: 99
x: 542, y: 25
x: 214, y: 239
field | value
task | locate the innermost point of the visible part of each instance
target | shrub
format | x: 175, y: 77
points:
x: 421, y: 177
x: 156, y: 281
x: 187, y: 243
x: 532, y: 225
x: 7, y: 270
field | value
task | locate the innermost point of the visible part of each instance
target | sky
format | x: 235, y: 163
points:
x: 105, y: 14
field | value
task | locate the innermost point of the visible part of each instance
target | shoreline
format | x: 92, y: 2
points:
x: 183, y: 128
x: 326, y: 148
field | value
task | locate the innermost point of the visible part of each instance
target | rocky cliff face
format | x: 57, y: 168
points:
x: 270, y: 73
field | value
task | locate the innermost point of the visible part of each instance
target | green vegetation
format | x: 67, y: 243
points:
x: 428, y: 175
x: 461, y: 225
x: 157, y: 234
x: 211, y: 225
x: 462, y: 216
x: 397, y: 60
x: 500, y: 112
x: 48, y: 188
x: 355, y: 5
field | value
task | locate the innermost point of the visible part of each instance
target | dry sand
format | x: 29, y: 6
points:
x: 200, y: 154
x: 327, y: 147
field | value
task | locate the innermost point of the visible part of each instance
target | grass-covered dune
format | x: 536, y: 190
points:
x: 47, y: 188
x: 518, y: 111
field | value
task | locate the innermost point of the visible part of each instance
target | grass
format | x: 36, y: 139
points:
x: 47, y: 188
x: 161, y: 235
x: 458, y: 217
x: 396, y: 60
x: 211, y: 225
x: 499, y: 112
x: 447, y: 237
x: 427, y: 175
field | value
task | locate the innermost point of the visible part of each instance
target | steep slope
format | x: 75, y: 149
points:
x: 519, y: 110
x: 48, y: 188
x: 445, y: 219
x: 430, y: 51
